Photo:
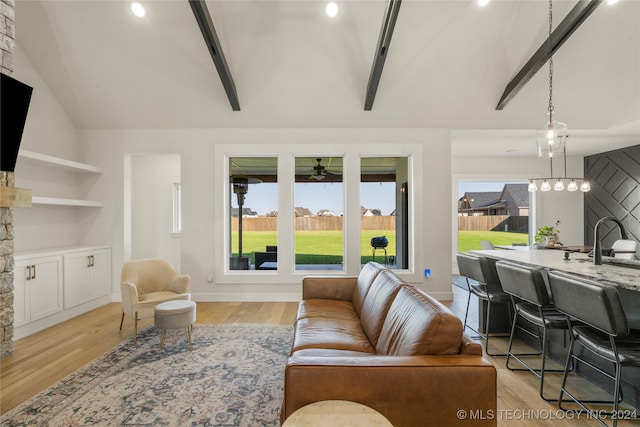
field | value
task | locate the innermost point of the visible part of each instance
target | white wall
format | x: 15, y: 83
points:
x: 48, y: 130
x: 152, y: 179
x: 204, y: 178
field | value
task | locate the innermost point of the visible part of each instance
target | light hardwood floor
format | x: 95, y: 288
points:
x: 45, y: 358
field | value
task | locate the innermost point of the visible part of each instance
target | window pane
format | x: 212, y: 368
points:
x: 319, y: 206
x: 384, y: 233
x: 253, y: 202
x: 177, y: 207
x: 494, y: 211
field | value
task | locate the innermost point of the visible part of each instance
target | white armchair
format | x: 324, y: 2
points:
x: 146, y: 283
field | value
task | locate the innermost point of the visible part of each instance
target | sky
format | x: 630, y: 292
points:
x: 262, y: 198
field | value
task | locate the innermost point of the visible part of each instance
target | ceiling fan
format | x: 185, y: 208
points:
x: 319, y: 173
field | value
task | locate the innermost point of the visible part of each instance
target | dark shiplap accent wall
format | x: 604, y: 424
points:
x: 615, y: 191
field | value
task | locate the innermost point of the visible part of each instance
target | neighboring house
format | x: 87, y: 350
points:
x: 325, y: 212
x: 512, y: 200
x: 370, y: 212
x: 481, y: 203
x: 246, y: 212
x: 302, y: 212
x: 516, y: 197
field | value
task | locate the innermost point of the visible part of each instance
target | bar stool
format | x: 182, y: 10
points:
x: 604, y: 331
x: 487, y: 289
x: 531, y: 301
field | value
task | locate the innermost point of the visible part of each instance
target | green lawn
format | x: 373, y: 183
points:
x: 326, y: 247
x: 469, y: 240
x: 314, y: 247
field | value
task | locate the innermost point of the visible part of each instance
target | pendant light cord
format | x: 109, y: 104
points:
x: 550, y: 63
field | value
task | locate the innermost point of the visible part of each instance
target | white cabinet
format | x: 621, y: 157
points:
x: 54, y: 285
x: 87, y: 276
x: 37, y: 288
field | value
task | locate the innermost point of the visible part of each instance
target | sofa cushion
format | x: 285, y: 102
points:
x: 366, y: 277
x: 336, y: 334
x: 327, y: 308
x: 324, y: 352
x: 377, y: 302
x: 417, y: 324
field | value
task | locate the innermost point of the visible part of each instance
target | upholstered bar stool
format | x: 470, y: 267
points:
x: 488, y: 288
x: 175, y: 315
x: 531, y: 301
x: 604, y: 331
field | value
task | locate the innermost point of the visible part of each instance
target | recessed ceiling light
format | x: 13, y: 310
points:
x: 483, y: 2
x: 138, y: 9
x: 331, y: 9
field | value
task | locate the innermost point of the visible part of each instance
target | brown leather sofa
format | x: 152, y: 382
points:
x: 381, y: 342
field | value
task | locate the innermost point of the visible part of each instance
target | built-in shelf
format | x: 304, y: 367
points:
x: 38, y: 159
x: 65, y: 202
x: 51, y: 162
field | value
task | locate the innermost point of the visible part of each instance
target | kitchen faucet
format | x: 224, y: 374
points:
x: 597, y: 248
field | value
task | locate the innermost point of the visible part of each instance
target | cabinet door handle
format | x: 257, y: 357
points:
x: 91, y: 261
x: 88, y: 260
x: 34, y: 272
x: 28, y: 272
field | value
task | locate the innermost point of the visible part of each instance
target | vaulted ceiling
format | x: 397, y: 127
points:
x: 293, y: 67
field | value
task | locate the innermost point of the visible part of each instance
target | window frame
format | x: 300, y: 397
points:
x: 287, y: 275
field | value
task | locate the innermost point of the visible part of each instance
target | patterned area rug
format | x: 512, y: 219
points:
x: 233, y: 377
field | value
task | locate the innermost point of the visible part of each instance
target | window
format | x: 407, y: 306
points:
x: 497, y: 211
x: 177, y: 208
x: 253, y: 191
x: 319, y: 207
x: 384, y: 224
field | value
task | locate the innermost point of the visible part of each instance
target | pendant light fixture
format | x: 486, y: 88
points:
x: 551, y: 136
x: 558, y: 182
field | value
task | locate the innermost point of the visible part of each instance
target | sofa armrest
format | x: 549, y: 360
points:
x: 181, y: 284
x: 324, y: 287
x: 409, y: 391
x: 470, y: 347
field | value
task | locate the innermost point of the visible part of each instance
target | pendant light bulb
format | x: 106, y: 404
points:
x: 572, y: 186
x: 532, y: 186
x: 559, y: 185
x: 545, y: 186
x: 585, y: 186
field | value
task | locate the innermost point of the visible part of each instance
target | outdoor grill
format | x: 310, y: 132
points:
x: 380, y: 242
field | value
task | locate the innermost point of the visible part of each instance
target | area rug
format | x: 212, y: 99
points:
x: 233, y: 377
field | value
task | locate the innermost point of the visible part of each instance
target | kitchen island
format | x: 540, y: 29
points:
x: 623, y: 274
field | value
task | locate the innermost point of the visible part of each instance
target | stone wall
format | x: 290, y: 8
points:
x: 7, y: 179
x: 7, y: 35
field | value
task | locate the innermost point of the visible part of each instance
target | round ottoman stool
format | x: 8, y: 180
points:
x: 175, y: 315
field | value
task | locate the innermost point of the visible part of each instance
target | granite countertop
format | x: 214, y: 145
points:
x: 578, y: 263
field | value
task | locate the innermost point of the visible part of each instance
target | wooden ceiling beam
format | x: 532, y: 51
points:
x: 561, y: 34
x: 203, y: 17
x: 382, y: 48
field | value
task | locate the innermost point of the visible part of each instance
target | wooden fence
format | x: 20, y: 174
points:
x: 315, y: 223
x: 516, y: 224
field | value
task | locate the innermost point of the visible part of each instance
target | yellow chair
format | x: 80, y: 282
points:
x: 146, y: 283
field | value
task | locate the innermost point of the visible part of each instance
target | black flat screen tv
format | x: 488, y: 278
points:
x: 13, y: 115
